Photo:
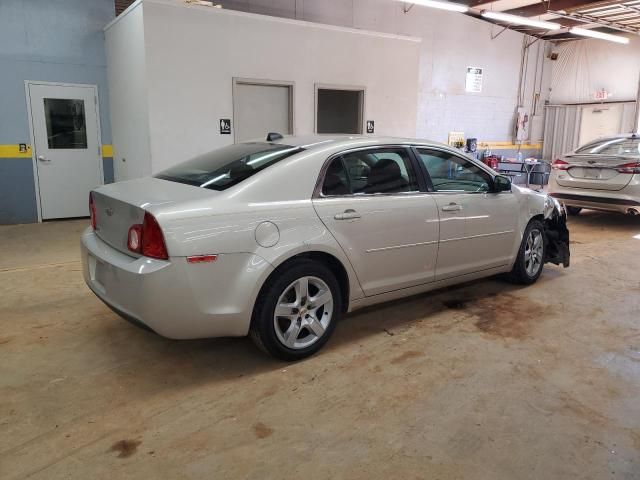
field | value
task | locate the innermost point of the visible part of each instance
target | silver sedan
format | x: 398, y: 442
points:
x: 278, y: 238
x: 602, y: 175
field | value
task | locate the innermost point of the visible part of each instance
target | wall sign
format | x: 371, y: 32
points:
x: 473, y: 82
x: 370, y: 126
x: 601, y: 95
x: 225, y: 126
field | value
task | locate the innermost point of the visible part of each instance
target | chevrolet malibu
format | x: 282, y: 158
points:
x: 278, y: 238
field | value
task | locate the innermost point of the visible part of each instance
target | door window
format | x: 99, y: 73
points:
x: 450, y: 173
x: 66, y: 123
x: 371, y: 171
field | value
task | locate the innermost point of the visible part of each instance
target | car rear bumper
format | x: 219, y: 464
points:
x: 174, y: 298
x: 598, y: 199
x: 618, y: 203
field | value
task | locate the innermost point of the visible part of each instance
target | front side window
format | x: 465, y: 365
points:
x: 450, y: 173
x: 625, y: 146
x: 228, y: 166
x: 371, y: 171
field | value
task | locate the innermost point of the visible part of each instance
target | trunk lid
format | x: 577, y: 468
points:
x: 120, y: 205
x: 597, y: 172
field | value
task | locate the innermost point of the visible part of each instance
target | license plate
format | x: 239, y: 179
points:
x: 591, y: 172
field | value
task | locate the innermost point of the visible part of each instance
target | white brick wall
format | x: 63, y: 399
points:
x: 450, y: 43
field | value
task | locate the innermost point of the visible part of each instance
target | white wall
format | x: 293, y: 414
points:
x: 589, y: 65
x: 128, y: 95
x: 193, y: 52
x: 451, y: 42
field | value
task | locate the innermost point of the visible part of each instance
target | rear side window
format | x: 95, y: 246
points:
x: 383, y: 170
x: 228, y: 166
x: 628, y: 147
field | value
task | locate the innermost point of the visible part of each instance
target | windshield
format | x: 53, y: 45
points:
x: 625, y: 146
x: 228, y: 166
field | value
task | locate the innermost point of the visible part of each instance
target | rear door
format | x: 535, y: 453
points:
x: 477, y: 227
x: 371, y: 202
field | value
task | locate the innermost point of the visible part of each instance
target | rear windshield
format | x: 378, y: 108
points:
x: 228, y: 166
x: 626, y: 146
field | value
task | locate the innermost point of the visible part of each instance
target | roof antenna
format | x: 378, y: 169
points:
x: 273, y: 136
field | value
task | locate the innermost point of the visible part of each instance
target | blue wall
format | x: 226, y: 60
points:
x: 55, y: 41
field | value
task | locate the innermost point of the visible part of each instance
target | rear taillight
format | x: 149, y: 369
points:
x: 560, y: 165
x: 147, y: 239
x: 92, y: 211
x: 633, y: 167
x: 134, y: 238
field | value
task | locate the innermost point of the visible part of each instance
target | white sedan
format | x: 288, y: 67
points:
x: 278, y: 238
x: 602, y: 175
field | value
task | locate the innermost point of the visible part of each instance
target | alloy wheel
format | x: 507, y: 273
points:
x: 303, y: 312
x: 533, y: 251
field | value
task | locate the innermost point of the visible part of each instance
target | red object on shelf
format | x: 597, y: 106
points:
x: 491, y: 161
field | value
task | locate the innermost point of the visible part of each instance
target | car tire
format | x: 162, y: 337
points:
x: 307, y: 321
x: 573, y: 210
x: 525, y: 272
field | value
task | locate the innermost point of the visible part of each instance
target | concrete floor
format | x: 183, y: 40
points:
x: 486, y: 381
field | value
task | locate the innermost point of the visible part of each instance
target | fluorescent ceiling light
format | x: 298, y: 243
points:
x: 453, y: 7
x: 600, y: 35
x: 517, y: 20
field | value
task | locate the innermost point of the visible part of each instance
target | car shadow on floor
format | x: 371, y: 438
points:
x: 158, y: 362
x: 187, y: 362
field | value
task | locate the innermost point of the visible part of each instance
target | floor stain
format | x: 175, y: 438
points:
x: 4, y: 340
x: 125, y: 448
x: 455, y: 304
x: 261, y: 430
x: 508, y: 315
x: 407, y: 356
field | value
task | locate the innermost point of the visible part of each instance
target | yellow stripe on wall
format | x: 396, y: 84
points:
x: 107, y: 151
x: 510, y: 145
x: 13, y: 151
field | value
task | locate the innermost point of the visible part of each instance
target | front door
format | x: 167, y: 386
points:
x: 477, y: 227
x: 371, y: 203
x: 66, y: 146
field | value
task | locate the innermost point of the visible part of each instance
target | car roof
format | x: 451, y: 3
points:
x: 311, y: 142
x: 612, y: 137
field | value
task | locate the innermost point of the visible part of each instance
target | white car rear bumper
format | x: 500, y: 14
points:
x: 174, y: 298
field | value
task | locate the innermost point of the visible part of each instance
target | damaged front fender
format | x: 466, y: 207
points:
x: 556, y: 233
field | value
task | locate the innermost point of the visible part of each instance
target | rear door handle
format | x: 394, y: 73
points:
x: 349, y: 214
x: 43, y: 158
x: 452, y: 207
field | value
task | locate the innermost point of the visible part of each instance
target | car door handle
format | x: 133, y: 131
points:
x: 452, y: 207
x: 348, y: 214
x: 43, y: 159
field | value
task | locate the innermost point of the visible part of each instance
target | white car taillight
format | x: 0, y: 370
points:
x: 147, y: 238
x: 560, y: 165
x: 633, y: 167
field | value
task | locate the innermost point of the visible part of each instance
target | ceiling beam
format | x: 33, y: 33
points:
x: 542, y: 7
x: 599, y: 21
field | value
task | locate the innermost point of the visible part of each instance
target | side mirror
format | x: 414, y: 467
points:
x: 501, y: 184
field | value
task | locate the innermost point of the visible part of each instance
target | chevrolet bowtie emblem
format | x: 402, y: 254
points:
x: 108, y: 211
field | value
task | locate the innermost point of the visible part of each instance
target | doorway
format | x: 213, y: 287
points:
x: 600, y: 121
x: 339, y: 109
x: 260, y: 107
x: 65, y: 134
